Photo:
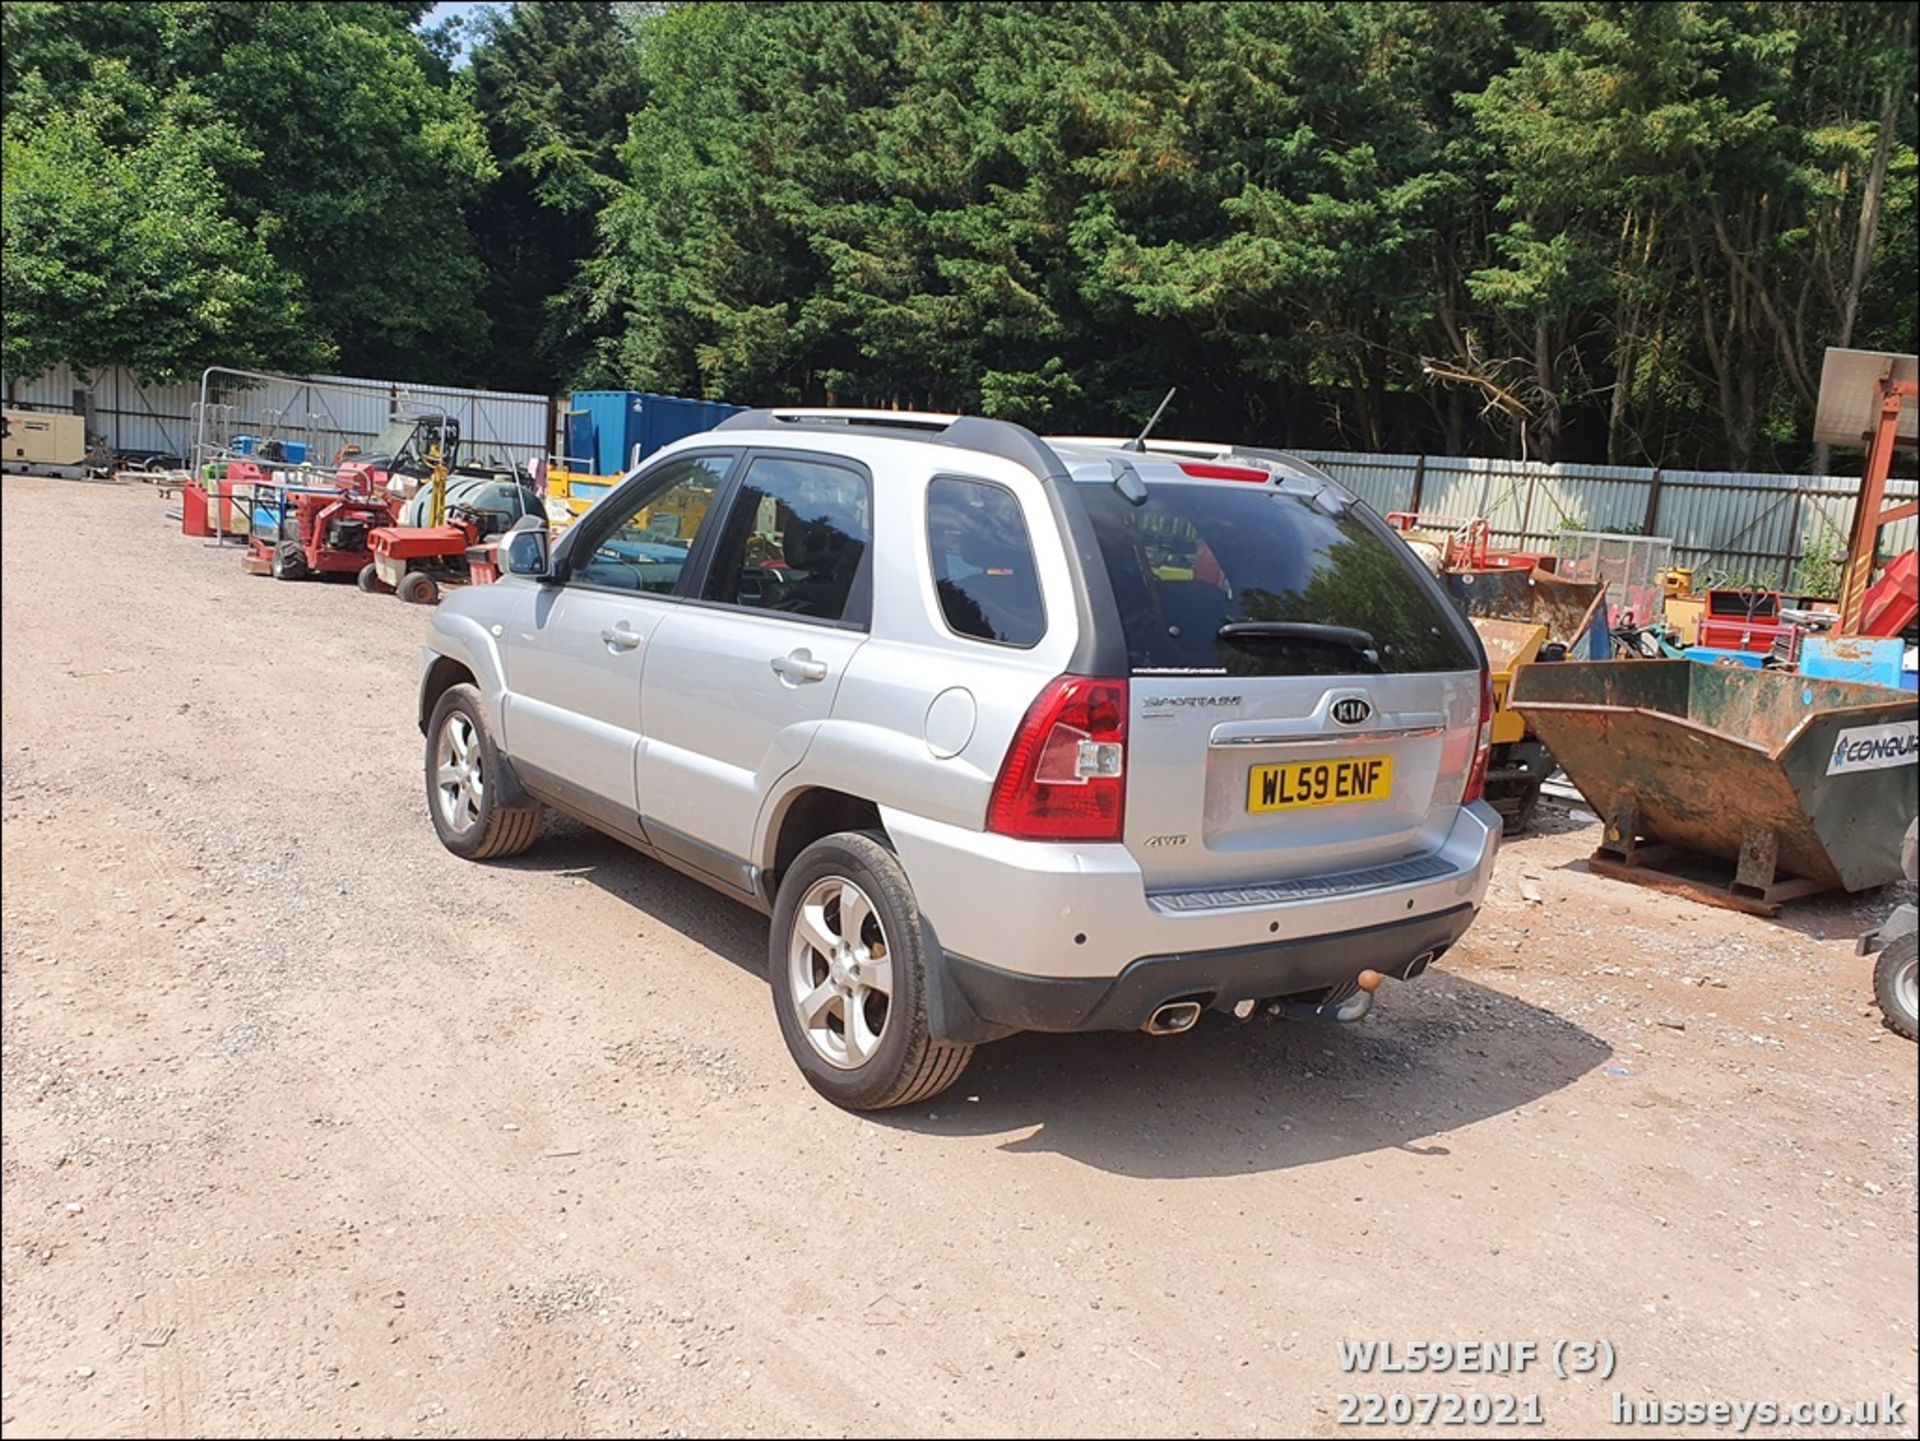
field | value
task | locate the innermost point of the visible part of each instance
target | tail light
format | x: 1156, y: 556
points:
x: 1064, y: 778
x: 1483, y: 744
x: 1210, y: 470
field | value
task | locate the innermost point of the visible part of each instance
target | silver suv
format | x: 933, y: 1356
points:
x: 1006, y: 734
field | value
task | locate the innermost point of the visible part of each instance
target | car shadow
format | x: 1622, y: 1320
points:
x: 731, y: 929
x: 1271, y: 1093
x: 1229, y: 1098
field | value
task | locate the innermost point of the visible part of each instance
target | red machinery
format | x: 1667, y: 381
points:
x: 1746, y: 620
x: 297, y: 531
x: 1892, y: 603
x: 1465, y: 544
x: 1864, y: 399
x: 405, y: 557
x: 460, y: 541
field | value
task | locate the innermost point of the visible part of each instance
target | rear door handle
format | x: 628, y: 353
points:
x: 799, y: 667
x: 622, y: 636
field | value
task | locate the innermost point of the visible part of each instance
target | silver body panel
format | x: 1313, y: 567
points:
x: 690, y: 742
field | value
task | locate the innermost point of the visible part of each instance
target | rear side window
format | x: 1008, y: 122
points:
x: 1246, y: 580
x: 983, y: 562
x: 797, y: 540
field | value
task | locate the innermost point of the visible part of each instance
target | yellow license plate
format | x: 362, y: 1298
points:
x: 1299, y: 784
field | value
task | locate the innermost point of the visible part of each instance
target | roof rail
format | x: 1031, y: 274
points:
x: 767, y: 418
x: 1002, y: 438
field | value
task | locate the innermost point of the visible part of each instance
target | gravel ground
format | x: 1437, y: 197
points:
x: 311, y: 1128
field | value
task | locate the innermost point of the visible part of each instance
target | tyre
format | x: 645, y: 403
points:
x: 369, y: 581
x: 289, y: 561
x: 1894, y: 985
x: 849, y: 974
x: 418, y: 588
x: 462, y: 761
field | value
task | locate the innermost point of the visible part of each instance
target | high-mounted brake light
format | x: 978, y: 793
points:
x: 1483, y: 744
x: 1209, y: 470
x: 1064, y: 778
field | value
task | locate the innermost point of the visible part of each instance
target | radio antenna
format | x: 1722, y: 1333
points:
x: 1139, y: 442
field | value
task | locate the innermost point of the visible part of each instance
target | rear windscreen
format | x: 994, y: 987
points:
x: 1198, y: 568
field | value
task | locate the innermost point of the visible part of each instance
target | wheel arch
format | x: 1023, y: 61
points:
x: 443, y: 674
x: 802, y: 816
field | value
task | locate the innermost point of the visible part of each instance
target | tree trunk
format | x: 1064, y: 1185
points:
x: 1543, y: 436
x: 1617, y: 409
x: 1453, y: 419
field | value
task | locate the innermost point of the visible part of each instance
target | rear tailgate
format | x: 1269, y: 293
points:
x: 1304, y: 701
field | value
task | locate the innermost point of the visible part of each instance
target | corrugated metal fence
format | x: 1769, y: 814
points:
x: 1748, y: 526
x: 1751, y: 526
x: 138, y: 418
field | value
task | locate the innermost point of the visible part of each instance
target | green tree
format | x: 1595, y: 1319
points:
x: 334, y: 139
x: 554, y: 85
x: 118, y: 248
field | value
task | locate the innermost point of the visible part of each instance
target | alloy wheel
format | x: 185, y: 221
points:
x: 840, y: 970
x: 459, y: 787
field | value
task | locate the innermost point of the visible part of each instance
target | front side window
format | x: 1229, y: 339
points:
x: 983, y: 568
x: 797, y: 541
x: 644, y: 546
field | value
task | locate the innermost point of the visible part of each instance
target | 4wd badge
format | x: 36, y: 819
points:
x: 1351, y: 711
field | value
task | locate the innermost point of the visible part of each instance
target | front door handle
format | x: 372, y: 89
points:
x: 622, y: 636
x: 799, y: 667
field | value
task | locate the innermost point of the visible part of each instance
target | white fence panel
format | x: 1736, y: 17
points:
x: 136, y: 417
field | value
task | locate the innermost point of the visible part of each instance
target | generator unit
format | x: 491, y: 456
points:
x: 43, y: 437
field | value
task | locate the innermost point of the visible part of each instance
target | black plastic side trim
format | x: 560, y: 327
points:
x: 729, y: 870
x: 1102, y: 647
x: 577, y: 801
x: 682, y: 852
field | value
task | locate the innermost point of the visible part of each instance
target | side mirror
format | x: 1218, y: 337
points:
x: 523, y: 549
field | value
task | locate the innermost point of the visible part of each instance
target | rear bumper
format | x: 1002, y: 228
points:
x: 1081, y: 944
x: 986, y: 1001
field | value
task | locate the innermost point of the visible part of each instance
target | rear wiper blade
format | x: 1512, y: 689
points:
x: 1302, y: 632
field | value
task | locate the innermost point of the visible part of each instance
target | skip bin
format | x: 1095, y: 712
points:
x: 1804, y: 784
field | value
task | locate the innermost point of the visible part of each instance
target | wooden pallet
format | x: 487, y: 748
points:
x: 1754, y: 883
x: 1755, y: 901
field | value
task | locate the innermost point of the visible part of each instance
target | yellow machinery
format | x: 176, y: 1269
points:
x: 1684, y: 608
x: 1526, y: 617
x: 572, y: 493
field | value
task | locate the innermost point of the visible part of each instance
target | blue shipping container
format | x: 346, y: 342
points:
x: 611, y: 431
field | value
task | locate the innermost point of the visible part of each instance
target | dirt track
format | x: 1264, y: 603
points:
x: 311, y: 1128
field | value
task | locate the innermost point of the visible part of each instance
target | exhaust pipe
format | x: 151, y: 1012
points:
x: 1418, y: 965
x: 1173, y: 1018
